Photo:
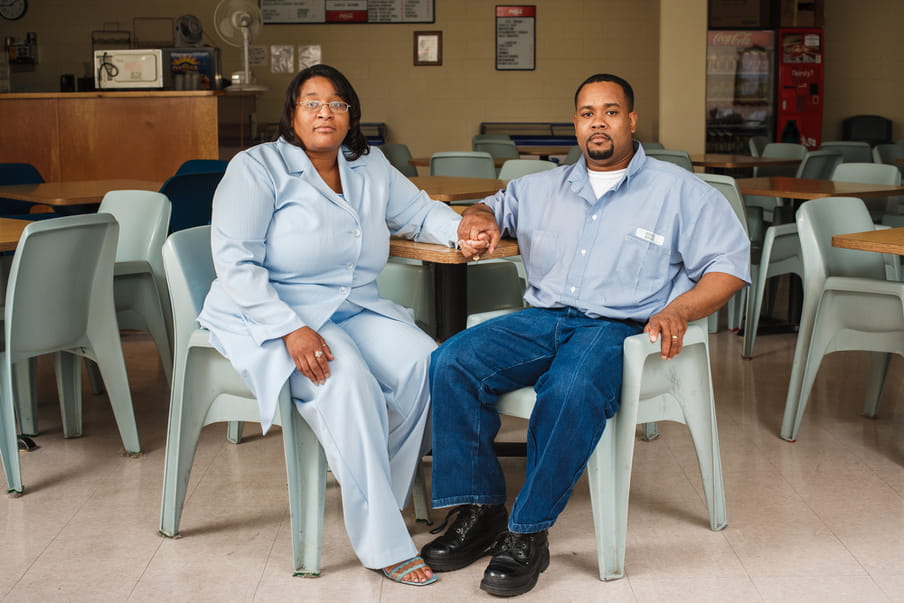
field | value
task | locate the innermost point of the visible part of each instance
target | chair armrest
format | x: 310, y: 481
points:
x: 864, y: 285
x: 132, y: 267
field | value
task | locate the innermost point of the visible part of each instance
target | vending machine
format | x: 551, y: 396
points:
x: 800, y: 86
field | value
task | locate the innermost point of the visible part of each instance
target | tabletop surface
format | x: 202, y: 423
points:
x: 454, y: 188
x: 805, y: 188
x: 889, y: 240
x: 725, y: 160
x: 73, y: 193
x: 10, y: 232
x: 440, y: 254
x: 550, y: 149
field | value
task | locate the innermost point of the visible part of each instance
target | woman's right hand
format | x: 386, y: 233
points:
x: 310, y: 353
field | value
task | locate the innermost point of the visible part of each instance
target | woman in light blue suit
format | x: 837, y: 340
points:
x: 300, y: 231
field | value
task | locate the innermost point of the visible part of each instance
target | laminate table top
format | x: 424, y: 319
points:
x: 455, y: 188
x: 728, y: 161
x: 805, y: 189
x: 80, y: 192
x: 890, y: 240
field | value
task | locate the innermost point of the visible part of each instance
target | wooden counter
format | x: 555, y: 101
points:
x: 144, y: 135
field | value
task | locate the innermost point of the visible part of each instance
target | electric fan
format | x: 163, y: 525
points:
x: 238, y: 22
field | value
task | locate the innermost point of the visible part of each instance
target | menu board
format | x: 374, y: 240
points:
x: 347, y: 11
x: 516, y: 37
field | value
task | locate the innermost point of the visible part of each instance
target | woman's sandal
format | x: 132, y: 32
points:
x: 398, y: 572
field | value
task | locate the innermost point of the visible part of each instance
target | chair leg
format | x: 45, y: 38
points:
x: 95, y: 381
x: 107, y: 350
x: 25, y: 399
x: 650, y: 431
x: 69, y: 387
x: 754, y: 306
x: 419, y: 495
x: 9, y: 450
x: 878, y: 369
x: 306, y: 472
x: 234, y: 431
x: 607, y: 505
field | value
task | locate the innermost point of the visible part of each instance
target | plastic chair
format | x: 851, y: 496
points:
x: 872, y: 129
x: 729, y: 189
x: 574, y: 153
x: 756, y: 144
x: 139, y: 284
x: 681, y: 158
x: 652, y: 390
x: 398, y: 155
x: 782, y: 150
x: 848, y: 304
x: 515, y: 168
x: 818, y: 165
x: 872, y: 173
x: 191, y: 196
x: 17, y: 173
x: 206, y: 389
x: 494, y: 288
x: 649, y: 145
x: 60, y: 300
x: 505, y: 149
x: 411, y: 286
x: 852, y: 151
x: 482, y: 137
x: 201, y: 166
x: 468, y: 164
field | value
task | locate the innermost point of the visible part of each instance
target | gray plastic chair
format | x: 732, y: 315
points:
x: 206, y: 389
x: 782, y: 150
x: 503, y: 149
x: 399, y: 155
x: 59, y: 301
x: 818, y: 165
x: 653, y: 389
x: 852, y: 151
x: 872, y: 173
x: 649, y: 145
x: 482, y: 137
x: 494, y: 288
x: 888, y: 153
x: 756, y: 144
x: 411, y: 286
x: 139, y: 284
x: 574, y: 153
x: 848, y: 304
x: 515, y: 168
x: 681, y: 158
x: 468, y: 164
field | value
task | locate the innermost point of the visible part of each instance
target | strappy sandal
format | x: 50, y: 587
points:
x: 398, y: 572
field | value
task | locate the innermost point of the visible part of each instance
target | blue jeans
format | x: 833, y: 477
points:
x: 575, y: 365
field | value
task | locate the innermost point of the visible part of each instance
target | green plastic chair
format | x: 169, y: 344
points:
x: 574, y: 153
x: 872, y: 173
x: 652, y: 390
x: 649, y: 145
x: 399, y: 155
x: 504, y: 149
x: 680, y: 158
x: 494, y: 288
x: 852, y: 151
x: 848, y: 304
x: 467, y: 164
x: 411, y: 286
x: 515, y: 168
x: 59, y: 301
x: 781, y: 150
x: 756, y: 144
x: 818, y: 165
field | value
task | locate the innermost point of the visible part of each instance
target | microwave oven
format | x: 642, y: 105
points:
x: 128, y: 69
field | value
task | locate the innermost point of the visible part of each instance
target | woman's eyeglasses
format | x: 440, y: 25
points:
x: 314, y: 106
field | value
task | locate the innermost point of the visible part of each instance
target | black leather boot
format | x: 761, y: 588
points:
x: 518, y: 560
x: 469, y: 538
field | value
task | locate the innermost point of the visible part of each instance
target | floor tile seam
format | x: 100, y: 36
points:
x: 260, y: 579
x: 888, y: 595
x: 205, y: 469
x: 147, y: 565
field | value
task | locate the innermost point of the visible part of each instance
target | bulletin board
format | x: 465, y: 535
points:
x: 347, y: 11
x: 516, y: 37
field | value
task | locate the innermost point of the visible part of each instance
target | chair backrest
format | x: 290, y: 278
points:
x: 398, y: 155
x: 647, y: 145
x: 60, y: 283
x: 851, y: 150
x: 574, y: 153
x: 191, y: 196
x: 19, y: 173
x: 201, y: 166
x: 469, y: 164
x: 817, y: 221
x: 681, y: 158
x: 888, y: 153
x: 756, y: 144
x: 494, y: 286
x: 780, y: 150
x: 482, y: 137
x: 729, y: 189
x: 504, y: 149
x: 188, y: 263
x: 515, y: 168
x: 819, y: 165
x: 867, y: 173
x: 143, y: 218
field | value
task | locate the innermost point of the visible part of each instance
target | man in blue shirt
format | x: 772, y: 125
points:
x: 614, y: 245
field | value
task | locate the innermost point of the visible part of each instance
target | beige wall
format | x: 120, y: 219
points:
x: 864, y: 71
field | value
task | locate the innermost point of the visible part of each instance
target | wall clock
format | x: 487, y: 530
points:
x: 13, y: 9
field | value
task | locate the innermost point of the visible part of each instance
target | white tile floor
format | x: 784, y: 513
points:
x: 818, y: 520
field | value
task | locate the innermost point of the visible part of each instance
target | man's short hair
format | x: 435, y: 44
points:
x: 608, y: 77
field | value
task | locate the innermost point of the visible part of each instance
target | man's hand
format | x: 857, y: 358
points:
x: 478, y: 232
x: 671, y: 326
x: 310, y: 353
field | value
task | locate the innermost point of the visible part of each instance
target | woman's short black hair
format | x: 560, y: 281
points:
x: 355, y: 142
x: 608, y: 77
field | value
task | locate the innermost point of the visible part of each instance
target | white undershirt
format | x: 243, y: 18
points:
x: 603, y: 182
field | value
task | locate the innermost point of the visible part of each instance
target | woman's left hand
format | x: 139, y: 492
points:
x: 310, y: 353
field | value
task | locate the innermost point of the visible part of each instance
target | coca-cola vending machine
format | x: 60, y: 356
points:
x: 800, y: 86
x: 740, y: 87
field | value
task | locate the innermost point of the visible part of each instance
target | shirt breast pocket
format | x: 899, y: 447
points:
x: 643, y: 265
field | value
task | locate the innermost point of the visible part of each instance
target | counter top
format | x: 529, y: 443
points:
x: 109, y: 94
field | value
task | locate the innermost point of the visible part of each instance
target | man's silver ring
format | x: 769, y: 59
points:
x: 318, y: 354
x: 674, y: 337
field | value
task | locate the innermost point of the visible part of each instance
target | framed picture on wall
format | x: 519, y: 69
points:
x: 428, y: 48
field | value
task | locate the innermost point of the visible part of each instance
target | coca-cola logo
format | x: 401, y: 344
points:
x: 732, y: 38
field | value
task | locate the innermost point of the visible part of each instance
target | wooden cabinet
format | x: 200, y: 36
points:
x: 103, y: 135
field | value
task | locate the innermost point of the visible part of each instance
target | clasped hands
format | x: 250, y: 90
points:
x: 478, y: 232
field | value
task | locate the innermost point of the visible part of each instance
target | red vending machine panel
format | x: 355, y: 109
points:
x: 800, y: 86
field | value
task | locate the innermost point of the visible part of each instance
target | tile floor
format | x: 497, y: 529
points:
x: 818, y: 520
